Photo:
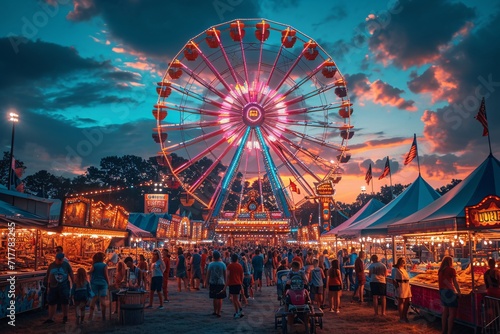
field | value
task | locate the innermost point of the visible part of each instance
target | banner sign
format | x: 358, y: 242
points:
x: 155, y: 203
x: 485, y: 215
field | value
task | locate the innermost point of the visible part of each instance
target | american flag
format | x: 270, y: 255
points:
x: 368, y: 176
x: 413, y: 151
x: 481, y: 117
x: 293, y: 186
x: 387, y: 170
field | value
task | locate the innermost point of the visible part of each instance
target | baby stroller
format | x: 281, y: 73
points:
x: 298, y: 303
x: 280, y: 285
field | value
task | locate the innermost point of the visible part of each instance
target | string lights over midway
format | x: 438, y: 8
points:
x: 116, y: 189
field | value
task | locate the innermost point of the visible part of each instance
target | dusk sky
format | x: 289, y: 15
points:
x: 82, y: 76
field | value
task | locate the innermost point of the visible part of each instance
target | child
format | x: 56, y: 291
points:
x: 81, y: 293
x: 316, y: 277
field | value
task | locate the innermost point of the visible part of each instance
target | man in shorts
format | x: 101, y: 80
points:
x: 378, y: 287
x: 216, y: 278
x: 58, y: 285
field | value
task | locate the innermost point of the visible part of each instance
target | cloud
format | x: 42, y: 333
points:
x: 37, y: 59
x: 452, y: 128
x: 136, y: 23
x: 378, y: 92
x: 415, y: 34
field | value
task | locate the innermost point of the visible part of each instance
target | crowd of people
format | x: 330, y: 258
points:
x: 241, y: 271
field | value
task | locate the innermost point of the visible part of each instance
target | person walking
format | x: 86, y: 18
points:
x: 99, y: 282
x: 359, y: 269
x: 234, y: 280
x: 378, y: 284
x: 216, y: 274
x: 181, y: 270
x: 166, y: 273
x: 402, y: 286
x: 449, y: 292
x: 334, y: 283
x: 157, y: 269
x: 196, y: 269
x: 258, y: 268
x: 81, y: 293
x: 57, y: 282
x: 316, y: 277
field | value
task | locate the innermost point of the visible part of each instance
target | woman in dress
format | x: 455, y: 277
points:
x: 449, y: 292
x: 403, y: 291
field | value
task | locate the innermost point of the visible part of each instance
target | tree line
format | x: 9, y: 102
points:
x: 129, y: 171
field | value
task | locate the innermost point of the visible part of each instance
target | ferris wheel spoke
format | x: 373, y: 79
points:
x: 299, y: 111
x: 228, y: 176
x: 207, y: 172
x: 202, y: 154
x: 197, y: 96
x: 311, y: 123
x: 307, y: 78
x: 279, y: 149
x: 189, y: 126
x: 197, y: 140
x: 200, y: 111
x: 217, y: 73
x: 231, y: 69
x: 202, y: 82
x: 299, y: 148
x: 276, y: 59
x: 243, y: 57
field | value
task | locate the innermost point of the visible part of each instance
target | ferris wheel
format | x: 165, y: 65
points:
x: 253, y: 102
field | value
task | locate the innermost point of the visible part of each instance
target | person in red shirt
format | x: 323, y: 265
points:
x: 204, y: 256
x: 298, y: 258
x: 449, y: 292
x: 235, y: 281
x: 166, y: 273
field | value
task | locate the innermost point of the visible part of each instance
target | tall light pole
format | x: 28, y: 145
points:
x: 14, y: 118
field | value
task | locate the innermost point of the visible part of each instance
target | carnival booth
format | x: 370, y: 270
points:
x: 372, y: 231
x: 23, y: 219
x: 331, y: 237
x: 463, y: 223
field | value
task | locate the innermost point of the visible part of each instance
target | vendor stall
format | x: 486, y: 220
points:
x: 465, y: 216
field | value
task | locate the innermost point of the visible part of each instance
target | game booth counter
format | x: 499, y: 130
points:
x: 463, y: 223
x: 84, y: 228
x: 23, y: 221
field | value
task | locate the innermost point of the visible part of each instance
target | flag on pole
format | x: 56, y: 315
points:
x: 481, y: 117
x: 293, y: 186
x: 413, y: 151
x: 368, y: 176
x: 387, y: 170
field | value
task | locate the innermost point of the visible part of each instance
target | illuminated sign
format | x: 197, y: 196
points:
x: 325, y: 188
x: 485, y: 215
x: 155, y: 203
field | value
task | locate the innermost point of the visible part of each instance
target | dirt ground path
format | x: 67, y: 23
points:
x: 190, y: 312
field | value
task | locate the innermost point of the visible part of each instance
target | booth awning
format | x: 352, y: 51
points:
x: 448, y: 212
x: 418, y: 195
x: 138, y: 232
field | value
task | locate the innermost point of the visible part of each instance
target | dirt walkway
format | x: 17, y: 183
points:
x: 190, y: 312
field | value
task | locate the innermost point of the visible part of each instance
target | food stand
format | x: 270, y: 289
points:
x: 448, y: 224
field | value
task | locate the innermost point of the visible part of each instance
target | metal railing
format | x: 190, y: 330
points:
x: 491, y: 315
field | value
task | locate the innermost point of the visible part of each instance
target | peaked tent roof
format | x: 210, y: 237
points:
x: 138, y: 232
x: 418, y: 195
x: 147, y: 222
x: 448, y: 212
x: 370, y: 207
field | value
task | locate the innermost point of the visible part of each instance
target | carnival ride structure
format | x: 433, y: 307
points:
x: 253, y: 104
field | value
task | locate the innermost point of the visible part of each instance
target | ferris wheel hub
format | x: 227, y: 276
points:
x: 253, y: 114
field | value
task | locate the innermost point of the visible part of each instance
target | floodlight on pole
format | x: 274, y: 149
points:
x: 14, y: 118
